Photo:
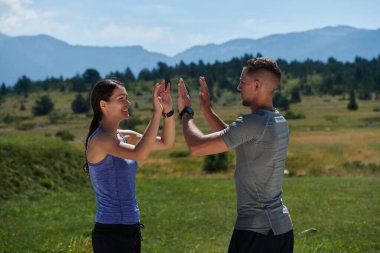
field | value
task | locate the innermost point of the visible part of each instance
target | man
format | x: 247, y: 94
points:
x: 260, y: 140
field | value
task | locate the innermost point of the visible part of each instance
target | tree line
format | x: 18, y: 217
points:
x: 360, y: 78
x: 310, y: 77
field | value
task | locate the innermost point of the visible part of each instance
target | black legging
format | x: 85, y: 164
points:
x: 116, y: 238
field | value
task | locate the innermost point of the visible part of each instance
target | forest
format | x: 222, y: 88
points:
x: 309, y: 77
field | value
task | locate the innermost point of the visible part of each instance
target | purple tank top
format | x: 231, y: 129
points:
x: 114, y: 182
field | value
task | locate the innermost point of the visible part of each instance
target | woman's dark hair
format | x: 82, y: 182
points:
x: 102, y: 91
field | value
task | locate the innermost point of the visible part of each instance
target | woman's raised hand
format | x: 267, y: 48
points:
x: 158, y: 89
x: 166, y: 98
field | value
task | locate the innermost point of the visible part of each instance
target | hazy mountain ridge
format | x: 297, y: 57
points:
x: 342, y: 42
x: 42, y: 56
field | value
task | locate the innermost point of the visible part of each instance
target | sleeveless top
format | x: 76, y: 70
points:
x: 114, y: 183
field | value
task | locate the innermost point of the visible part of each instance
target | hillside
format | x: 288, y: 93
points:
x: 30, y: 165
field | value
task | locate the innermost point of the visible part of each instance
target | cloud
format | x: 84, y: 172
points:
x: 19, y: 16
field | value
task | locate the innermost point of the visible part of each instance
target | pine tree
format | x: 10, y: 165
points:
x: 352, y: 105
x: 80, y: 104
x: 43, y: 106
x: 295, y: 96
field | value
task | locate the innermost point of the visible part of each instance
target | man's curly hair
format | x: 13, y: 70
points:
x: 261, y: 63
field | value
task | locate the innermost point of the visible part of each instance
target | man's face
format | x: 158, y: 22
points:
x: 246, y: 88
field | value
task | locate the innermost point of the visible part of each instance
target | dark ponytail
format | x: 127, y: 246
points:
x: 102, y: 91
x: 93, y: 126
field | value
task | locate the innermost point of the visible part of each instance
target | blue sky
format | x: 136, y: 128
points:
x: 171, y: 27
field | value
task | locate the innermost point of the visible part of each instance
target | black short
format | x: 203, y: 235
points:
x: 116, y: 238
x: 244, y: 241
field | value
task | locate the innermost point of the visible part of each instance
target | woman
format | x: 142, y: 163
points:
x: 111, y: 156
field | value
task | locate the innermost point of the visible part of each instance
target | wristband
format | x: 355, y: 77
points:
x: 188, y: 110
x: 168, y: 114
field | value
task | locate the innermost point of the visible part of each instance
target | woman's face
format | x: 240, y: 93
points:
x: 118, y: 104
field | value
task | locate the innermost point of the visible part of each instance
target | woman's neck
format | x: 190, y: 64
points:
x: 109, y: 126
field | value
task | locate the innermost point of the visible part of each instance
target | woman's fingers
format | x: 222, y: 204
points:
x: 167, y: 89
x: 156, y: 89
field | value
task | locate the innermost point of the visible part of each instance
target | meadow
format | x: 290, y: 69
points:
x: 331, y: 189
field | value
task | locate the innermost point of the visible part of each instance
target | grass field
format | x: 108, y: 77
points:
x: 197, y: 215
x: 330, y: 140
x: 331, y: 190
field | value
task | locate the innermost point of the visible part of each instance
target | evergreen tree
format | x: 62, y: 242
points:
x: 80, y: 104
x: 295, y: 96
x: 90, y: 77
x: 352, y: 105
x: 145, y: 75
x: 43, y: 106
x: 3, y: 90
x: 78, y: 84
x: 280, y: 101
x: 129, y: 76
x: 365, y: 94
x: 23, y: 85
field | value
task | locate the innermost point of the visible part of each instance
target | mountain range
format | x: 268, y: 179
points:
x: 42, y: 56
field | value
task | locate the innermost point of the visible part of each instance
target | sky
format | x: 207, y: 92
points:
x: 171, y: 27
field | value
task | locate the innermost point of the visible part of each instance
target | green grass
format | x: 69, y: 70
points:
x: 38, y: 164
x: 47, y: 205
x: 197, y: 215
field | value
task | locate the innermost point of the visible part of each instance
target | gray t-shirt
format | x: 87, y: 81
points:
x: 261, y: 141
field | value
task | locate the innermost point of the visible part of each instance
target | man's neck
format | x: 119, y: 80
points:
x: 255, y: 108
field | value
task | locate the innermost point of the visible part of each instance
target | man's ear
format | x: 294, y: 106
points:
x: 257, y: 84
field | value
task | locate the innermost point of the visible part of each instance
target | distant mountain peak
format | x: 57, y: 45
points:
x: 42, y: 56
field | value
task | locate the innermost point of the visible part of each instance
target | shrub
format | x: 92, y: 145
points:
x: 359, y: 165
x: 294, y: 115
x: 43, y: 106
x: 8, y: 119
x: 12, y: 119
x: 331, y: 118
x: 55, y: 117
x: 179, y: 153
x: 26, y: 126
x: 216, y: 163
x: 22, y: 107
x: 65, y: 135
x: 131, y: 123
x: 47, y: 183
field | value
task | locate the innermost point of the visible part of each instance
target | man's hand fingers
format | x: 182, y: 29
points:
x: 203, y: 83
